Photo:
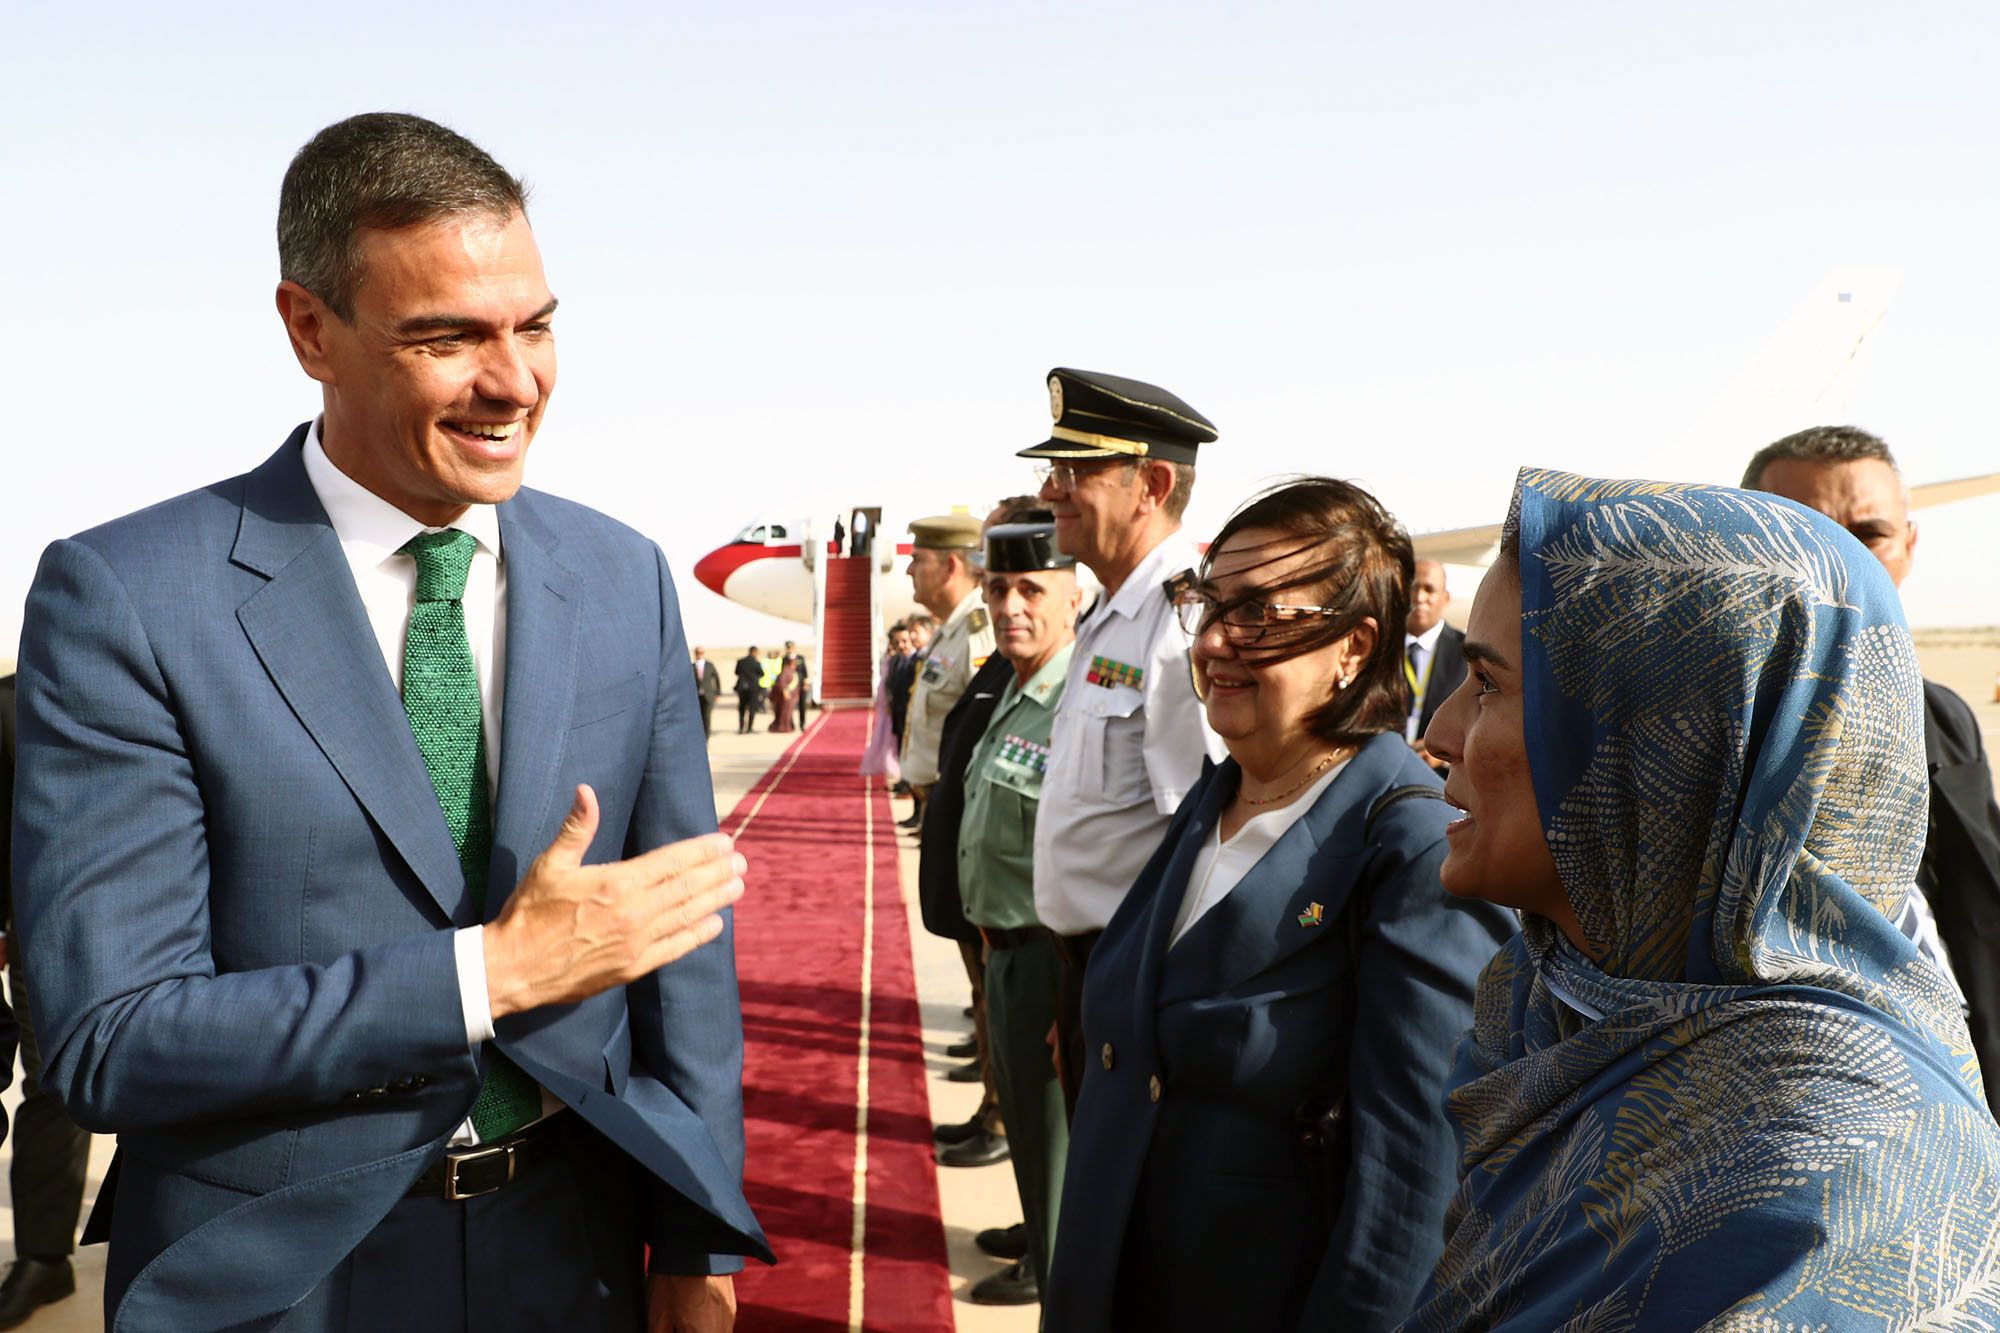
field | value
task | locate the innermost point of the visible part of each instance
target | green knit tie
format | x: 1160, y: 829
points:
x: 441, y: 695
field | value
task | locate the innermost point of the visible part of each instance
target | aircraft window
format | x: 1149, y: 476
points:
x: 753, y: 533
x: 777, y: 532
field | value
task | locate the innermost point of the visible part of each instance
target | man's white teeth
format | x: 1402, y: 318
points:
x: 488, y: 430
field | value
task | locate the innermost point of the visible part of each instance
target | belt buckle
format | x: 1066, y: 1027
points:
x: 454, y: 1191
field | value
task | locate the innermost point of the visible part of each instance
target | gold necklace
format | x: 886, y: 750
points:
x: 1296, y: 787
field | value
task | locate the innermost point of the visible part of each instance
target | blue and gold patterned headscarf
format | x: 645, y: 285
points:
x: 1760, y: 1109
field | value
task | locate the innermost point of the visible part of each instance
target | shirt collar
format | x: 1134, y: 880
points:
x: 1041, y: 687
x: 1429, y: 638
x: 959, y: 612
x: 365, y: 522
x: 1174, y: 554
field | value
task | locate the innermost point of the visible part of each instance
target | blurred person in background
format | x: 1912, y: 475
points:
x: 707, y: 688
x: 1851, y: 477
x: 1433, y: 653
x: 749, y: 690
x: 802, y: 681
x: 1272, y: 1012
x: 784, y: 685
x: 878, y: 759
x: 917, y: 640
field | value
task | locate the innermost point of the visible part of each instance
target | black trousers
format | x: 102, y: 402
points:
x: 1073, y: 956
x: 1020, y: 986
x: 51, y: 1153
x: 748, y: 704
x: 707, y: 713
x: 560, y: 1250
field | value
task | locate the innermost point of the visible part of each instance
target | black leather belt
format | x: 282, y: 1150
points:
x: 1012, y: 939
x: 482, y: 1168
x: 1075, y: 949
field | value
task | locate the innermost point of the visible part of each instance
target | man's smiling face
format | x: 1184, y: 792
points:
x: 435, y: 388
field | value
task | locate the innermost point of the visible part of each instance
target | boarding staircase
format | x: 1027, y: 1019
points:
x: 847, y: 619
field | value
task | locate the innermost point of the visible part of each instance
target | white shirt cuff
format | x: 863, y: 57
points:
x: 468, y: 950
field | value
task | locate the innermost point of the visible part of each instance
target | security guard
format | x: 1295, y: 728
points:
x: 1032, y: 597
x: 1129, y: 735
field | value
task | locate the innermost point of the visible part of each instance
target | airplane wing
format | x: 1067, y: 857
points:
x: 1805, y: 375
x: 1944, y: 492
x: 1458, y: 546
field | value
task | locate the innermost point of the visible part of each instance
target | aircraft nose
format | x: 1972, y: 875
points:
x: 712, y: 571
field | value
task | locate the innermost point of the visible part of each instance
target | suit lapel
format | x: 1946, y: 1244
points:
x: 543, y: 607
x: 1158, y: 958
x: 309, y: 630
x: 1258, y: 923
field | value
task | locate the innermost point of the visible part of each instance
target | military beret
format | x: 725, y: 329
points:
x: 1108, y: 416
x: 946, y: 532
x: 1024, y: 548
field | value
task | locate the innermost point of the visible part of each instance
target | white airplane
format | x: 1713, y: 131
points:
x: 1805, y: 375
x: 768, y: 566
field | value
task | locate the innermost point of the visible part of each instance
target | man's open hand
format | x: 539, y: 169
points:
x: 571, y: 930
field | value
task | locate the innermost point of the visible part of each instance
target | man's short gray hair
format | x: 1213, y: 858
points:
x: 1819, y: 444
x: 386, y: 170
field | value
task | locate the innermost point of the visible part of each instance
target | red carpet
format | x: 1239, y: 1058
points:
x: 815, y: 833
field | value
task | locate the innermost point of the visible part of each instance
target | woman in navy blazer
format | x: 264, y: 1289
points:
x: 1287, y: 950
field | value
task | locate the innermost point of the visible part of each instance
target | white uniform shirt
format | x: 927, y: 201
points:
x: 372, y: 532
x: 1426, y: 656
x: 1127, y: 744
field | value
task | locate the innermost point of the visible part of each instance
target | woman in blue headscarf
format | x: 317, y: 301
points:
x: 1711, y: 1085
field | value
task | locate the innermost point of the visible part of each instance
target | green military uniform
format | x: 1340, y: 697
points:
x: 996, y: 843
x: 960, y: 648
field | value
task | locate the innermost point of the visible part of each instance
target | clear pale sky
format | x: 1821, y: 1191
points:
x: 818, y: 255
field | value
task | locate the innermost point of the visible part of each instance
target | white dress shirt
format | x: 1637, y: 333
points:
x: 1221, y: 866
x: 372, y: 533
x: 1121, y: 756
x: 1427, y: 646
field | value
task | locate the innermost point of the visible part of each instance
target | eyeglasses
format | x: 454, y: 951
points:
x: 1067, y: 474
x: 1246, y: 621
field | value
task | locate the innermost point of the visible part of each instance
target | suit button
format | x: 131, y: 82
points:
x: 1106, y: 1055
x: 1153, y: 1087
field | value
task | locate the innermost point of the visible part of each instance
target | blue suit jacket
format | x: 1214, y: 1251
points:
x: 1193, y: 1209
x: 238, y: 890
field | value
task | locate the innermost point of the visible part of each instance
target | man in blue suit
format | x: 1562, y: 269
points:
x: 365, y: 846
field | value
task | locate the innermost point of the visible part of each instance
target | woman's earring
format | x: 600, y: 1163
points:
x: 1345, y: 681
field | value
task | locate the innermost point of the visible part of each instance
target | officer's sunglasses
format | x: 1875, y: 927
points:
x: 1066, y: 475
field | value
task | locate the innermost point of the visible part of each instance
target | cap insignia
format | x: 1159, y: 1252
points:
x: 1055, y: 398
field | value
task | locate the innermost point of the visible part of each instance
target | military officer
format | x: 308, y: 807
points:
x: 1032, y: 598
x: 944, y: 573
x: 1129, y: 735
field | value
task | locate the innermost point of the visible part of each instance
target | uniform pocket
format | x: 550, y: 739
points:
x: 1114, y: 745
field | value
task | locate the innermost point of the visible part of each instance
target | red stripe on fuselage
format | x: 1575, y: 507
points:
x: 712, y: 571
